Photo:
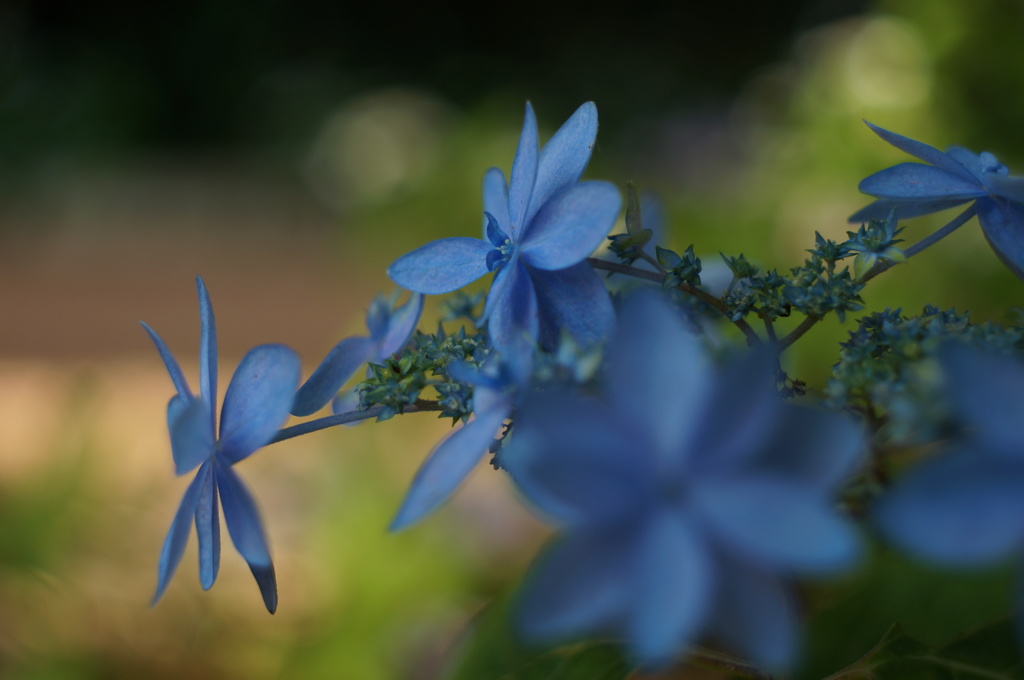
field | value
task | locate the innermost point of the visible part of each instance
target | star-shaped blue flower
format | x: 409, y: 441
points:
x: 950, y: 179
x: 255, y: 406
x: 538, y: 230
x: 688, y: 498
x: 390, y: 329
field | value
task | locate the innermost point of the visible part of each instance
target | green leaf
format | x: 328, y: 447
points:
x: 492, y: 651
x: 988, y: 653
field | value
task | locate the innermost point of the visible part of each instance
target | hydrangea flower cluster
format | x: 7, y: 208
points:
x: 695, y: 486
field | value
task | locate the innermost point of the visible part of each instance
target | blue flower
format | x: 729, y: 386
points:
x: 497, y: 385
x: 255, y: 405
x: 966, y: 505
x: 950, y: 179
x: 687, y: 498
x: 538, y: 230
x: 390, y: 329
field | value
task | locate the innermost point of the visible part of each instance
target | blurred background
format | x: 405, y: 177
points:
x: 288, y: 152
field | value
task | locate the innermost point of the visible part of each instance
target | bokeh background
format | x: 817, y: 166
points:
x: 287, y: 152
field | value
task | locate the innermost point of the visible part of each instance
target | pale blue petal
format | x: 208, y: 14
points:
x: 524, y: 173
x: 246, y: 531
x: 929, y: 154
x: 755, y: 616
x: 207, y: 353
x: 743, y: 411
x: 441, y: 266
x: 1011, y: 188
x: 191, y: 435
x: 777, y: 523
x: 820, y: 448
x: 564, y: 158
x: 400, y: 328
x: 208, y: 529
x: 987, y: 392
x: 960, y: 509
x: 1002, y: 222
x: 579, y: 584
x: 173, y: 369
x: 967, y: 158
x: 337, y: 367
x: 446, y: 467
x: 880, y: 210
x: 257, y: 400
x: 378, y: 316
x: 661, y: 379
x: 917, y: 182
x: 576, y: 462
x: 572, y: 225
x: 345, y: 402
x: 673, y: 582
x: 177, y: 536
x: 573, y: 300
x: 511, y: 309
x: 496, y: 200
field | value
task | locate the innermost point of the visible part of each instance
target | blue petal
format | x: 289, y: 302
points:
x: 207, y: 353
x: 1002, y: 222
x: 177, y: 377
x: 917, y: 182
x: 208, y: 529
x: 177, y: 536
x: 345, y: 402
x: 960, y: 509
x: 446, y: 467
x: 511, y: 308
x: 986, y: 392
x: 579, y: 584
x: 258, y: 400
x: 564, y: 158
x: 755, y: 616
x: 820, y: 448
x: 572, y: 225
x: 929, y: 154
x: 660, y: 375
x: 246, y: 531
x: 574, y: 300
x: 524, y: 173
x: 378, y: 316
x: 400, y: 327
x: 496, y: 199
x: 1011, y: 188
x: 336, y: 368
x: 673, y: 584
x: 441, y: 266
x: 880, y: 210
x: 777, y: 523
x: 576, y: 461
x: 192, y: 439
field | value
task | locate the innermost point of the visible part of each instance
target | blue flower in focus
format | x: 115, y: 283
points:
x: 966, y: 505
x: 255, y: 406
x: 688, y: 498
x: 538, y: 230
x: 497, y: 385
x: 950, y: 179
x: 390, y: 329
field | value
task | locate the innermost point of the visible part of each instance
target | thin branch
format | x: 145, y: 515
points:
x: 420, y: 406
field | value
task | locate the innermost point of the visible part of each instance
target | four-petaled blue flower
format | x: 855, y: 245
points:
x: 538, y: 229
x: 255, y: 406
x: 687, y: 498
x: 390, y: 329
x: 951, y: 179
x: 965, y: 506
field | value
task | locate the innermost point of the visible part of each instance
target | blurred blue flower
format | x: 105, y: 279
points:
x: 687, y: 498
x: 390, y: 329
x: 951, y: 179
x: 255, y: 405
x: 966, y: 506
x: 497, y: 386
x: 538, y: 230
